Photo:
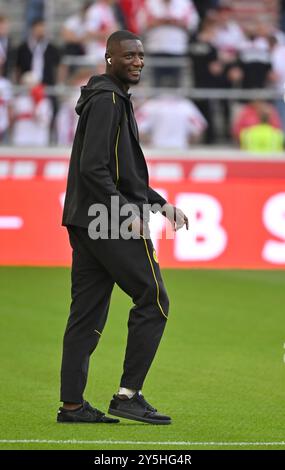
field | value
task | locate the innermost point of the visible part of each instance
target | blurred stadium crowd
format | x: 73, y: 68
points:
x: 215, y: 70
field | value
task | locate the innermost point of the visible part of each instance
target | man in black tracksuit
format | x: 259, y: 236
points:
x: 106, y: 163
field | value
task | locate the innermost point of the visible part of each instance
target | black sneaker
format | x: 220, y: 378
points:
x: 136, y: 408
x: 85, y: 414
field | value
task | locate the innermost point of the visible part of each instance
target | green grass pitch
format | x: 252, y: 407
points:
x: 219, y: 371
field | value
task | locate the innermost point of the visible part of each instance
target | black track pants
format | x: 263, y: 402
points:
x: 96, y: 266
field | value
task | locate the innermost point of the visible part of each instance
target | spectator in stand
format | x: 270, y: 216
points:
x: 6, y: 94
x: 170, y: 121
x: 6, y: 48
x: 229, y: 35
x: 255, y: 58
x: 73, y: 31
x: 166, y: 25
x: 277, y: 76
x: 67, y: 118
x: 250, y: 115
x: 32, y: 114
x: 247, y: 68
x: 207, y: 70
x: 223, y: 35
x: 262, y: 137
x: 39, y: 55
x: 74, y: 36
x: 101, y: 21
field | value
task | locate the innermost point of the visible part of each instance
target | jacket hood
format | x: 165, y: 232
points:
x: 98, y: 84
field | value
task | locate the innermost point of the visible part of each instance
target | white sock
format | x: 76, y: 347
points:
x: 128, y: 392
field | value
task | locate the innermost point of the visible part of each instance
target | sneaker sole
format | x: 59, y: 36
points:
x: 123, y: 414
x: 84, y: 422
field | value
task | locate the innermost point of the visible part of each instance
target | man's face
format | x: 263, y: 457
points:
x: 39, y: 31
x: 128, y: 61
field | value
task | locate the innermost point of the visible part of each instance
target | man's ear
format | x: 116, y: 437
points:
x: 108, y: 59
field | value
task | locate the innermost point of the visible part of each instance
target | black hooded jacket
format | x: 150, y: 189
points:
x: 106, y: 158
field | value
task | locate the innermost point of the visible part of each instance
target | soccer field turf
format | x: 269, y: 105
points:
x: 219, y: 371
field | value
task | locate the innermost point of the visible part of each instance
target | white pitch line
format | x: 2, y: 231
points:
x: 184, y: 443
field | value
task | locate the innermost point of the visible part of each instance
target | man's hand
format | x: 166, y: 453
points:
x: 176, y: 217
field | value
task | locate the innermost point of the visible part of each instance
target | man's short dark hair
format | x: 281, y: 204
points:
x: 121, y: 35
x: 37, y: 21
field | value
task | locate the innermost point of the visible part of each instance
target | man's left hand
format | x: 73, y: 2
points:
x: 176, y: 217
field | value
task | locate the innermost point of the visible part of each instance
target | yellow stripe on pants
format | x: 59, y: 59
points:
x: 153, y: 272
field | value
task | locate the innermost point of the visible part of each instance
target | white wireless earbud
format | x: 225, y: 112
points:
x: 109, y: 61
